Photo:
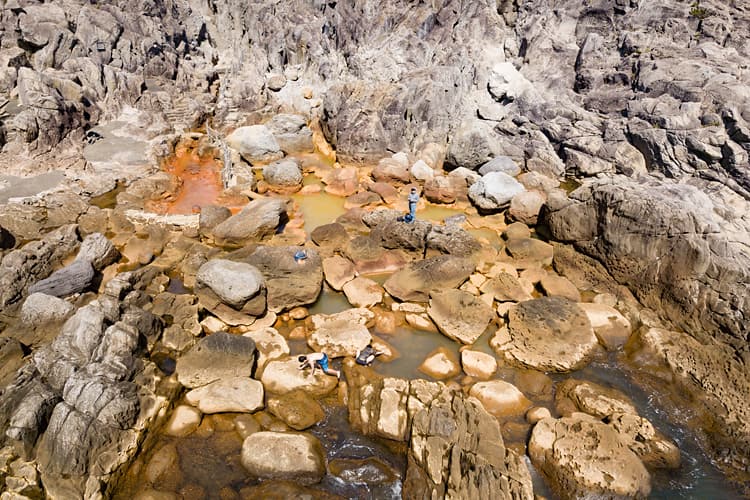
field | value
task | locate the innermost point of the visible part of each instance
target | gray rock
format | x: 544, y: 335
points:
x: 235, y: 283
x: 40, y: 308
x: 210, y: 217
x: 292, y: 133
x: 503, y: 164
x: 283, y: 174
x: 215, y: 357
x: 289, y: 283
x: 256, y: 222
x: 494, y: 191
x: 98, y: 250
x: 255, y: 143
x: 452, y: 240
x: 74, y: 278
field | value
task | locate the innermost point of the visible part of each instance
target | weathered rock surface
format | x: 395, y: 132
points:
x: 283, y: 376
x: 494, y: 191
x: 98, y: 250
x: 255, y: 143
x: 291, y: 133
x: 269, y: 344
x: 39, y: 308
x: 338, y: 271
x: 284, y: 455
x: 459, y: 315
x: 418, y: 279
x: 363, y: 292
x: 585, y: 457
x: 297, y: 409
x: 73, y: 278
x: 610, y: 326
x: 478, y: 364
x: 235, y: 394
x: 218, y: 356
x: 550, y: 334
x: 289, y: 283
x: 500, y: 398
x: 235, y: 284
x: 440, y: 364
x: 256, y: 222
x: 341, y: 334
x: 591, y: 398
x: 283, y: 174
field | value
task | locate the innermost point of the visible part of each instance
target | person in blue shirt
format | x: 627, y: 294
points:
x: 413, y: 200
x: 317, y: 360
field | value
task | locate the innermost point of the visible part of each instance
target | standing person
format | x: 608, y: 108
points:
x: 413, y: 200
x: 317, y: 360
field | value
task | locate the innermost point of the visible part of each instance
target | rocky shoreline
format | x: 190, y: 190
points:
x: 493, y: 109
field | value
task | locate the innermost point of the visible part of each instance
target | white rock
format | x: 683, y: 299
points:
x: 341, y: 334
x: 500, y: 398
x: 421, y: 171
x: 440, y: 364
x: 282, y: 376
x: 183, y: 421
x: 478, y: 364
x: 242, y: 395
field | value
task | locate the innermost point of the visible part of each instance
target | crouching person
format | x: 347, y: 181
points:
x: 317, y: 360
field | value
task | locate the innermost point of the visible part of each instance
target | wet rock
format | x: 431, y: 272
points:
x: 236, y: 284
x: 586, y: 457
x: 363, y: 292
x: 459, y: 315
x: 418, y: 279
x: 500, y: 398
x: 283, y: 376
x: 370, y: 471
x: 216, y: 357
x: 640, y: 436
x: 482, y: 467
x: 289, y: 283
x: 478, y: 364
x: 591, y: 398
x: 505, y: 287
x: 297, y: 409
x: 255, y: 143
x: 40, y: 308
x: 183, y: 421
x: 550, y: 334
x: 32, y: 262
x: 558, y: 286
x: 292, y: 133
x: 286, y: 489
x: 338, y: 271
x: 284, y: 455
x: 283, y: 174
x: 611, y: 328
x: 537, y: 413
x: 256, y: 222
x: 440, y: 364
x: 269, y: 343
x: 341, y: 334
x: 98, y: 250
x: 235, y: 394
x: 333, y: 234
x: 494, y: 191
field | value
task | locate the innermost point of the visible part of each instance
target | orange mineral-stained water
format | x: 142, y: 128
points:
x: 200, y: 184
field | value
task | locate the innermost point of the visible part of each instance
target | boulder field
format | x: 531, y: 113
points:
x: 583, y: 185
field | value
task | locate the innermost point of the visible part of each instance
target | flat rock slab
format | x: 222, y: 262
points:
x: 338, y: 271
x: 591, y: 398
x: 284, y: 455
x: 585, y: 458
x: 418, y: 279
x: 459, y: 315
x: 363, y: 292
x: 269, y: 343
x: 505, y: 288
x: 283, y: 376
x: 289, y: 283
x: 530, y: 252
x: 547, y: 334
x: 218, y: 356
x: 238, y: 394
x: 341, y: 334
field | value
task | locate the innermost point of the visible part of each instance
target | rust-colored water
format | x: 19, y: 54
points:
x: 200, y: 184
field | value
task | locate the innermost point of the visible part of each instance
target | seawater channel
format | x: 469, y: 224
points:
x: 206, y: 464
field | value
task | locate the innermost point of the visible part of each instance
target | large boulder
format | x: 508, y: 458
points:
x: 216, y: 357
x: 418, y: 279
x: 341, y: 334
x: 584, y: 457
x: 236, y: 284
x: 284, y: 455
x: 591, y: 398
x: 291, y: 133
x: 290, y: 283
x: 548, y: 334
x: 237, y: 394
x: 338, y: 271
x: 39, y: 308
x: 74, y: 278
x: 98, y: 250
x: 258, y: 221
x: 255, y: 143
x: 494, y: 191
x: 269, y: 343
x: 459, y: 315
x: 281, y: 376
x: 283, y: 174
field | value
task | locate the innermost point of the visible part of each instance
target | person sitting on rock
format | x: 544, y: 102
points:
x: 317, y: 360
x: 366, y: 356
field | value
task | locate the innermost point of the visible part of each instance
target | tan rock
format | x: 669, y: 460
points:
x: 269, y: 343
x: 420, y: 322
x: 611, y: 328
x: 338, y: 271
x: 558, y: 286
x: 537, y: 413
x: 594, y: 399
x: 183, y: 421
x: 363, y: 292
x: 478, y: 364
x: 500, y: 398
x: 440, y: 364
